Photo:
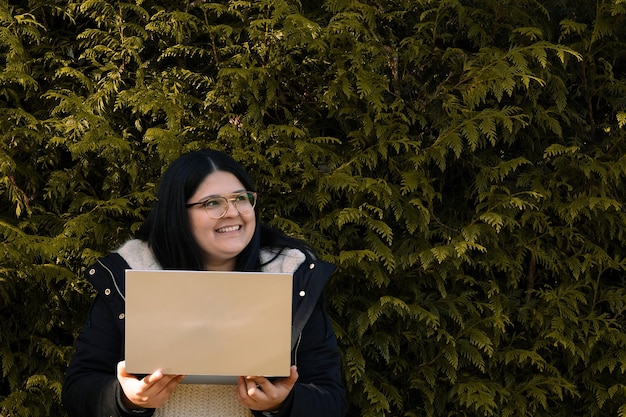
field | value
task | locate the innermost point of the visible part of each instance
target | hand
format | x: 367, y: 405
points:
x: 260, y: 394
x: 149, y: 392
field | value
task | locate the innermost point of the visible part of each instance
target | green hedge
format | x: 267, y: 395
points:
x: 462, y: 162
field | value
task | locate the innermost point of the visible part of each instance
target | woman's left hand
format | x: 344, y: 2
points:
x: 260, y: 394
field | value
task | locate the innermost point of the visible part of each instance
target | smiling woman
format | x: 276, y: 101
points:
x: 226, y: 233
x: 205, y: 219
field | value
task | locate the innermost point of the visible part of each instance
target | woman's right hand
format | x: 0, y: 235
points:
x: 149, y: 392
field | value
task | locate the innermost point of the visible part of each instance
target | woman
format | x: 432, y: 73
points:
x: 205, y: 219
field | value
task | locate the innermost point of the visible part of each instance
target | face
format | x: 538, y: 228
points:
x: 220, y: 240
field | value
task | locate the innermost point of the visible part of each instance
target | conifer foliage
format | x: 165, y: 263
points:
x: 461, y: 162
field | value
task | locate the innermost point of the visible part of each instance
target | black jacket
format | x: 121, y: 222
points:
x: 91, y: 388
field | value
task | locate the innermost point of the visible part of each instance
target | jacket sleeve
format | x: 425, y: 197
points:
x: 319, y: 390
x: 91, y: 388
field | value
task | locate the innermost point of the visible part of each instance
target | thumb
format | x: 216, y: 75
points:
x: 293, y: 375
x: 121, y: 369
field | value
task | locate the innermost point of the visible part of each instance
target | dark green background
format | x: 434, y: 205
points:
x: 461, y: 162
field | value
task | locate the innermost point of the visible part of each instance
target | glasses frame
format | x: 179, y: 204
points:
x: 229, y: 198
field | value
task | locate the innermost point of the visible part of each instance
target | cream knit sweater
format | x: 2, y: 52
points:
x: 191, y: 400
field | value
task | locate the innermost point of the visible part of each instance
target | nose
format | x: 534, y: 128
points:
x: 229, y: 212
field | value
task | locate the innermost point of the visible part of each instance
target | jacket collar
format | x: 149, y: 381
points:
x: 138, y: 255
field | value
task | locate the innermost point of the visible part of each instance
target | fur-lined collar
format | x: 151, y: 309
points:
x: 138, y: 255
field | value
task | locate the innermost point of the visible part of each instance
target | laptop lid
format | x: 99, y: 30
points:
x: 211, y: 326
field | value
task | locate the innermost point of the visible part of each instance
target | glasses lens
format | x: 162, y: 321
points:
x: 245, y: 202
x: 216, y: 207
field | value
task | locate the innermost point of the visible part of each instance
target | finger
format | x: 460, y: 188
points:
x: 164, y: 385
x: 241, y: 388
x: 149, y: 380
x: 287, y: 382
x: 173, y: 380
x: 259, y: 383
x: 245, y: 388
x: 170, y: 383
x: 253, y: 385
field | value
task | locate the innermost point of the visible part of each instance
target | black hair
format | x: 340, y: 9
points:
x: 167, y: 229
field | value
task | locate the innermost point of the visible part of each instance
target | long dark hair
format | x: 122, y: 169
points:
x: 167, y: 229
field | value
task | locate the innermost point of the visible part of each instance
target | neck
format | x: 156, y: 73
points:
x: 223, y: 266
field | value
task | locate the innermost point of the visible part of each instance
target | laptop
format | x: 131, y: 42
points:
x: 211, y: 326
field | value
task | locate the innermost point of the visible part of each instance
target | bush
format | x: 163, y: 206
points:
x: 461, y: 162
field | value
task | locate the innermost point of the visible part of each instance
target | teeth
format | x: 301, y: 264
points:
x: 228, y: 229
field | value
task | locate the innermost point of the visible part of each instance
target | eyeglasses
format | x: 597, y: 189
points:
x: 217, y: 206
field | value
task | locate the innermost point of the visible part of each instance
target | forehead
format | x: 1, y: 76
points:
x: 217, y: 183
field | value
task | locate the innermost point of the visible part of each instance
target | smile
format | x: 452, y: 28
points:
x: 228, y: 229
